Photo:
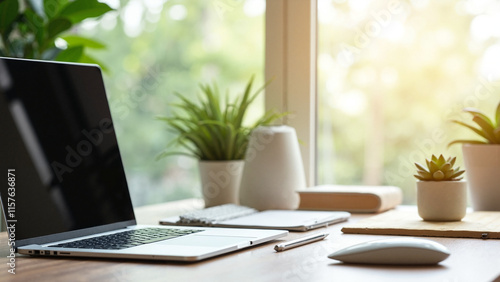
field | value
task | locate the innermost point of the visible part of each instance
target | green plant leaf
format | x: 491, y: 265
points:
x: 476, y: 112
x: 433, y: 167
x: 72, y: 54
x: 441, y: 161
x: 438, y: 175
x: 57, y: 26
x: 424, y: 174
x: 80, y: 10
x: 458, y: 173
x: 497, y: 116
x: 166, y: 154
x: 446, y: 167
x: 420, y: 167
x: 419, y: 177
x: 434, y: 158
x: 497, y: 133
x: 9, y: 10
x: 51, y: 8
x: 452, y: 161
x: 487, y: 128
x: 87, y: 42
x: 37, y: 25
x: 466, y: 142
x: 37, y: 6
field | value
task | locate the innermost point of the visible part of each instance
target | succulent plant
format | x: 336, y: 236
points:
x: 488, y: 129
x: 439, y: 169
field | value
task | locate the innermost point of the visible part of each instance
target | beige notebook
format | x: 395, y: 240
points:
x: 480, y: 224
x: 351, y: 198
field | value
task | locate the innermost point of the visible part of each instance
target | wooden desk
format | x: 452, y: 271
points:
x: 471, y: 260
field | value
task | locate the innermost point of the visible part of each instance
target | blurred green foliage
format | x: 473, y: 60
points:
x: 29, y: 29
x: 392, y: 74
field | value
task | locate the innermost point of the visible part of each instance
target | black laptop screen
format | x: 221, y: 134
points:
x: 60, y: 166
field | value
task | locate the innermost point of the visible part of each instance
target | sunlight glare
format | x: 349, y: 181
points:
x: 108, y: 21
x: 325, y: 62
x: 132, y: 18
x: 254, y: 8
x: 178, y: 12
x: 326, y: 12
x: 394, y: 32
x: 114, y: 4
x: 483, y: 27
x: 352, y: 103
x: 490, y: 62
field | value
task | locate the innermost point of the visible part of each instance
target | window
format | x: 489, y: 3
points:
x: 156, y: 48
x: 390, y: 77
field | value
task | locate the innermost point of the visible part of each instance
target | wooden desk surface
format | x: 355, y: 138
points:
x: 471, y: 260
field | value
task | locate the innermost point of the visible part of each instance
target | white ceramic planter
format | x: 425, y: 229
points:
x: 482, y: 168
x: 273, y: 169
x: 220, y: 181
x: 442, y: 200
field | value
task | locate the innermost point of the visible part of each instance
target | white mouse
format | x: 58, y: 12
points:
x: 402, y: 251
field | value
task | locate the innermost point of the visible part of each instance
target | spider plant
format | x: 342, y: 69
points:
x: 488, y: 129
x: 211, y: 129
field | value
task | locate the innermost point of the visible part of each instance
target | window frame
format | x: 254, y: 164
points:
x: 290, y: 61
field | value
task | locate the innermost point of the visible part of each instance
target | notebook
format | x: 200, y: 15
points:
x: 67, y: 193
x: 231, y: 215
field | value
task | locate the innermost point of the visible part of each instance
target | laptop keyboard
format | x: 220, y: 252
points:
x: 127, y: 239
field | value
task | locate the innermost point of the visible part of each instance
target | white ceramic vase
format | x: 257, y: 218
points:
x: 273, y: 169
x: 220, y: 181
x: 482, y: 168
x: 442, y: 200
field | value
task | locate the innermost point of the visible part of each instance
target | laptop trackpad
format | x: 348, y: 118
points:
x: 207, y: 240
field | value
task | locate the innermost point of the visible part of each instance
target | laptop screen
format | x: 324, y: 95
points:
x: 59, y: 159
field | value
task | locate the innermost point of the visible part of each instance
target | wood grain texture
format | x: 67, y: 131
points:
x: 481, y: 225
x: 471, y: 260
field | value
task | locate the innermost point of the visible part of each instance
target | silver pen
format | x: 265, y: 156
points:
x: 299, y: 242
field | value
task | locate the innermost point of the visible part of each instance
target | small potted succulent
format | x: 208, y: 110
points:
x: 441, y: 192
x: 482, y: 159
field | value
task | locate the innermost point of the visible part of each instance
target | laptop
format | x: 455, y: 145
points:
x: 67, y: 193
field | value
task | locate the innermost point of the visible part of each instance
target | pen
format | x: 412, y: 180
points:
x: 299, y: 242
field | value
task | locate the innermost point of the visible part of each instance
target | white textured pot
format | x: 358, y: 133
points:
x: 442, y: 200
x: 273, y: 169
x: 482, y: 167
x: 220, y: 181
